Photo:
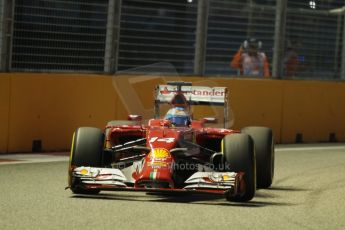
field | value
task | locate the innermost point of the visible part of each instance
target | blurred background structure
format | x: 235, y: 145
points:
x: 199, y: 37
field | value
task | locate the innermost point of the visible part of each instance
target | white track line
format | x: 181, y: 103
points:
x: 283, y: 148
x: 30, y: 158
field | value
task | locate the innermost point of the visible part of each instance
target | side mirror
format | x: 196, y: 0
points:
x: 133, y: 117
x: 166, y: 123
x: 209, y: 120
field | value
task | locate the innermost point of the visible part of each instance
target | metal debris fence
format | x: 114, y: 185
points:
x: 198, y: 37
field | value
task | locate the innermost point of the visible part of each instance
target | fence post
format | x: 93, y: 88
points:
x: 337, y: 46
x: 342, y: 73
x: 2, y: 34
x: 279, y: 39
x: 201, y: 37
x: 340, y: 12
x: 112, y: 36
x: 7, y: 14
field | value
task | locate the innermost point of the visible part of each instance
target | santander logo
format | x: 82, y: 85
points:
x: 195, y: 92
x: 165, y: 91
x: 208, y: 93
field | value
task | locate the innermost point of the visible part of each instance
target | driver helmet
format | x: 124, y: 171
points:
x: 178, y: 116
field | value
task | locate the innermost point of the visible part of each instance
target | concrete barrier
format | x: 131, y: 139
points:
x: 4, y: 111
x: 314, y: 109
x: 41, y: 111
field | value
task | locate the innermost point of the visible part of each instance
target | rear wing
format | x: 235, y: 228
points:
x: 195, y: 95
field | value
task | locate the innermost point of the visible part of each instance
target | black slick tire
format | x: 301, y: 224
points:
x: 239, y: 155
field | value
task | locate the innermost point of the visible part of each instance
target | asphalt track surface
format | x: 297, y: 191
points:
x: 308, y: 193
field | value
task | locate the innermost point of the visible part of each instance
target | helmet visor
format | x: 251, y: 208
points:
x: 180, y: 120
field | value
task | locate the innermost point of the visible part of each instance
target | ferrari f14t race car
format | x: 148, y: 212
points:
x: 174, y: 153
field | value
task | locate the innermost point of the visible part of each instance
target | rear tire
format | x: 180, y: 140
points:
x: 121, y: 122
x: 238, y: 150
x: 264, y: 152
x: 87, y: 150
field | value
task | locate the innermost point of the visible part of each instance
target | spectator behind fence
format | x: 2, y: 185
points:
x: 293, y: 63
x: 250, y: 60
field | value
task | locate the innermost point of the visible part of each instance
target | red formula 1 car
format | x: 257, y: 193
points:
x: 174, y: 154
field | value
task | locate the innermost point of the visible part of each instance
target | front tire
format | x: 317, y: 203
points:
x: 87, y: 150
x: 238, y: 150
x: 264, y: 152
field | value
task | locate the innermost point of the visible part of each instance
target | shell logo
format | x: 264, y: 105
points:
x: 219, y: 177
x: 84, y: 171
x: 159, y: 153
x: 225, y: 177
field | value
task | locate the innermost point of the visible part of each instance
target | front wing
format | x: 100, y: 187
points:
x: 93, y: 178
